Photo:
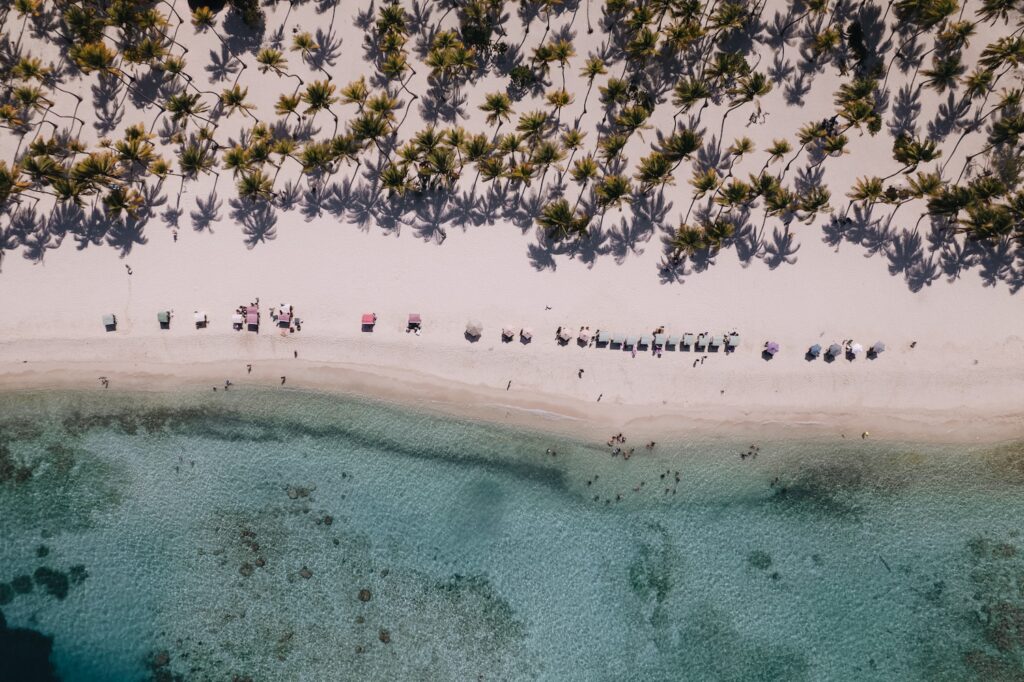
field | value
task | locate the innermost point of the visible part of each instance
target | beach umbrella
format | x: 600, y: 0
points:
x: 415, y: 320
x: 618, y: 339
x: 835, y: 350
x: 674, y: 340
x: 856, y: 349
x: 734, y: 340
x: 603, y: 337
x: 646, y: 340
x: 659, y: 339
x: 688, y: 339
x: 584, y: 335
x: 771, y: 347
x: 474, y: 328
x: 110, y: 322
x: 878, y: 347
x: 564, y: 333
x: 163, y: 317
x: 369, y: 319
x: 526, y: 333
x: 717, y: 341
x: 631, y: 340
x: 815, y: 350
x: 507, y: 332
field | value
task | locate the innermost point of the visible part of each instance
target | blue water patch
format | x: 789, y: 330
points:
x: 294, y: 536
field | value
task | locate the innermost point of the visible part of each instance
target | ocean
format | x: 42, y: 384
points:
x: 285, y: 535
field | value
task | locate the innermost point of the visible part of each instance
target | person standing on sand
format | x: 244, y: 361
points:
x: 282, y: 380
x: 599, y: 397
x: 248, y: 369
x: 296, y: 354
x: 509, y: 385
x: 128, y: 268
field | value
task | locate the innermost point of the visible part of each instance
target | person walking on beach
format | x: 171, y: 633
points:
x: 296, y: 354
x: 599, y: 397
x: 128, y: 268
x: 509, y: 385
x: 579, y: 375
x: 248, y: 369
x: 282, y: 380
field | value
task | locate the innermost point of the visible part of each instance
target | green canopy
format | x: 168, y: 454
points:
x: 163, y: 317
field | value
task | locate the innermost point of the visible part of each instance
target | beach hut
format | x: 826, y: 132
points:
x: 584, y: 335
x: 526, y: 334
x: 815, y: 350
x: 164, y: 319
x: 564, y: 334
x: 856, y: 349
x: 733, y: 340
x: 835, y: 350
x: 688, y: 340
x: 603, y: 337
x: 252, y: 318
x: 879, y: 347
x: 508, y: 333
x: 674, y: 340
x: 771, y: 348
x: 618, y: 339
x: 199, y: 317
x: 717, y: 341
x: 474, y: 328
x: 646, y: 340
x: 367, y: 321
x: 415, y: 323
x: 110, y: 322
x: 660, y: 340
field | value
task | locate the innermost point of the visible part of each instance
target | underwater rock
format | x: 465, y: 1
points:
x: 6, y: 594
x: 160, y: 659
x: 77, y: 574
x: 260, y: 562
x: 364, y: 595
x: 54, y: 582
x: 384, y: 636
x: 25, y: 654
x: 759, y: 560
x: 246, y: 569
x: 360, y: 620
x: 305, y: 573
x: 328, y: 520
x: 22, y: 584
x: 42, y: 551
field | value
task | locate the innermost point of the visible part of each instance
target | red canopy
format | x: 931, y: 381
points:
x: 252, y: 309
x: 369, y: 318
x: 252, y: 318
x: 285, y: 318
x: 414, y: 318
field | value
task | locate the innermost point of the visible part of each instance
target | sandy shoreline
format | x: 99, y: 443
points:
x: 464, y: 382
x: 949, y: 314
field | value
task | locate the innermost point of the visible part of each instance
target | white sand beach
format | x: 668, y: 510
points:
x: 953, y: 369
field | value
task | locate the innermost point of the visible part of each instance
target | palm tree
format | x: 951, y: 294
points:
x: 304, y: 44
x: 287, y: 105
x: 687, y: 241
x: 687, y: 92
x: 319, y: 96
x: 498, y: 107
x: 911, y: 151
x: 654, y: 170
x: 120, y: 199
x: 395, y: 179
x: 233, y: 100
x: 593, y: 68
x: 183, y: 106
x: 355, y: 92
x: 561, y: 222
x: 11, y: 183
x: 611, y: 190
x: 255, y: 186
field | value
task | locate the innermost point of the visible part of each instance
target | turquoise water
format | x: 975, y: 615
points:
x: 230, y: 536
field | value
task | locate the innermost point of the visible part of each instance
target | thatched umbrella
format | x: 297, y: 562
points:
x: 474, y: 328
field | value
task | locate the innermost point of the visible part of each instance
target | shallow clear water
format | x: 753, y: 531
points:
x: 231, y: 535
